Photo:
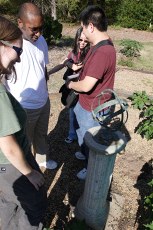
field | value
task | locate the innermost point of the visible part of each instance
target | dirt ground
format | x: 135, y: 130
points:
x: 132, y: 169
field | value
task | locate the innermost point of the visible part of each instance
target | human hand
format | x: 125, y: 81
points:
x: 36, y: 178
x: 76, y: 67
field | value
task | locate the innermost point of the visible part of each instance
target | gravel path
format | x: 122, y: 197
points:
x: 129, y: 178
x: 115, y: 34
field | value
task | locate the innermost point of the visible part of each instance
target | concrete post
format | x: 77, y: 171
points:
x: 93, y: 206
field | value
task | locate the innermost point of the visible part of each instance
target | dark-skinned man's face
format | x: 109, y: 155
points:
x: 31, y: 27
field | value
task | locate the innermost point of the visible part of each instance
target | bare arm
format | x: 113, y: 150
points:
x: 14, y: 154
x: 58, y: 67
x: 83, y: 86
x: 65, y: 63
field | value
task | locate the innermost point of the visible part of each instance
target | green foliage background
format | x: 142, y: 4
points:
x: 137, y: 14
x: 68, y: 10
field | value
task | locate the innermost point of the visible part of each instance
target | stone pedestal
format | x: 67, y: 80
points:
x: 93, y: 206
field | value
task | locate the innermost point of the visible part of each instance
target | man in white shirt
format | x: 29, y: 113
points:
x: 30, y: 88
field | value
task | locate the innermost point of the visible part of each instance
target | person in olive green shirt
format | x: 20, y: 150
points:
x: 23, y: 196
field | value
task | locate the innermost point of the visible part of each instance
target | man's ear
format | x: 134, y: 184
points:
x: 91, y: 27
x: 20, y: 23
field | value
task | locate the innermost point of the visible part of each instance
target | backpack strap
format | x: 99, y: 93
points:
x: 99, y: 44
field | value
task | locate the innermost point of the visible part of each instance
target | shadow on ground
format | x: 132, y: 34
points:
x: 63, y: 187
x: 143, y: 215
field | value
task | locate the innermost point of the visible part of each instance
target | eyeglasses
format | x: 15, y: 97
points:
x: 36, y: 30
x: 17, y: 49
x: 81, y: 40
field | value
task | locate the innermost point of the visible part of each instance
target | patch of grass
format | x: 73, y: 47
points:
x: 143, y: 62
x: 126, y: 62
x: 115, y: 27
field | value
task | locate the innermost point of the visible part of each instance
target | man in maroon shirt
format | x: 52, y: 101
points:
x: 97, y: 75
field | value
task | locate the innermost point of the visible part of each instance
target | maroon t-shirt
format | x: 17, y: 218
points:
x: 74, y: 57
x: 100, y: 65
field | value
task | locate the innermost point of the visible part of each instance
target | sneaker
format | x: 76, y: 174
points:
x: 49, y: 164
x: 68, y: 140
x: 82, y: 174
x: 80, y: 156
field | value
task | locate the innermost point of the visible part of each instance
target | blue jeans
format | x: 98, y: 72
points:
x: 85, y: 121
x: 72, y: 124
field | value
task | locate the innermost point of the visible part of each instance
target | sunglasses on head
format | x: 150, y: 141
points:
x: 17, y: 49
x: 81, y: 40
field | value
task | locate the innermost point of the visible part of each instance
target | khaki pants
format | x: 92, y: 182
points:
x: 37, y: 128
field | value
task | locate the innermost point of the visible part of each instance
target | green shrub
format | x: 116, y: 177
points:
x: 135, y: 14
x: 130, y: 48
x: 148, y: 204
x: 141, y: 101
x: 126, y: 62
x: 111, y: 8
x: 69, y: 10
x: 52, y: 29
x: 10, y: 6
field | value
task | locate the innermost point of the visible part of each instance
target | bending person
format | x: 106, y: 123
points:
x: 22, y: 194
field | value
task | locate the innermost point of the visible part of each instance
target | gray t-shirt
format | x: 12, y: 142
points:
x: 12, y: 121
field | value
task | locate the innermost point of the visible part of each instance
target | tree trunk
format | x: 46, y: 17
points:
x: 53, y: 9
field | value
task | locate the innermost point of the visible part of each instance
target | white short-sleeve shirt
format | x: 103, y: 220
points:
x: 30, y: 88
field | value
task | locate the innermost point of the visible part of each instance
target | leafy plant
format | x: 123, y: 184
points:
x: 69, y: 10
x: 126, y: 62
x: 52, y: 29
x: 149, y: 226
x: 141, y: 101
x: 135, y: 14
x: 131, y: 48
x: 148, y: 204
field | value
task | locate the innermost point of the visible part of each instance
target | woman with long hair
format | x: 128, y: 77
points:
x: 22, y: 193
x: 73, y: 62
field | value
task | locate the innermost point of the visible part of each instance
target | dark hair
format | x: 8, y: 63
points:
x: 77, y: 45
x: 96, y: 16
